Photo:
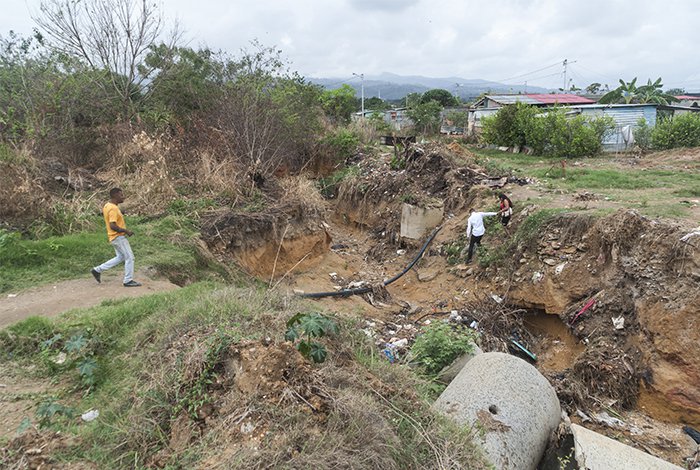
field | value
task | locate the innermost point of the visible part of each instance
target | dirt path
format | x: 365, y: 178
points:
x: 53, y: 299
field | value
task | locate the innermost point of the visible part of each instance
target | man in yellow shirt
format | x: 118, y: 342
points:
x: 117, y: 233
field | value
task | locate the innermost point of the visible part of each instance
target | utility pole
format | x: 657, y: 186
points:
x: 565, y: 82
x: 362, y: 88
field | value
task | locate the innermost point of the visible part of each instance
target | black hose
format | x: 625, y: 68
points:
x: 364, y: 290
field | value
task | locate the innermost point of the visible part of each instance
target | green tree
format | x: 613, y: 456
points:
x: 676, y: 91
x: 629, y: 92
x: 426, y: 116
x: 594, y: 88
x: 444, y: 97
x: 412, y: 99
x: 339, y: 104
x: 376, y: 104
x: 185, y: 81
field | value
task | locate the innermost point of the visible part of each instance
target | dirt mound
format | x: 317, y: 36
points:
x: 424, y: 175
x: 270, y: 241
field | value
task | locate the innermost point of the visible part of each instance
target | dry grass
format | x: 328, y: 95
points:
x: 261, y: 405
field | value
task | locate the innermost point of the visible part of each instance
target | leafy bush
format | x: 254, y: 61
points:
x: 440, y: 344
x: 342, y: 142
x: 642, y: 135
x: 509, y: 125
x: 678, y: 131
x: 553, y: 134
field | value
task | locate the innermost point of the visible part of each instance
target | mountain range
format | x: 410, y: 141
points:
x: 392, y: 87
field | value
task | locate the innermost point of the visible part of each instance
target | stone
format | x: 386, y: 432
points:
x: 594, y: 451
x: 427, y: 277
x: 512, y: 405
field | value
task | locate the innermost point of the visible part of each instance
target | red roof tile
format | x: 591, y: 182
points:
x: 560, y: 98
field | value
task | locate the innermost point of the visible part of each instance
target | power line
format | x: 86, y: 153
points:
x: 529, y: 73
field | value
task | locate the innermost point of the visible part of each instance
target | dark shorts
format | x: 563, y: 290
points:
x: 505, y: 219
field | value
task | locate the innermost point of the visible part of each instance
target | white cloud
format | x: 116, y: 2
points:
x: 603, y: 39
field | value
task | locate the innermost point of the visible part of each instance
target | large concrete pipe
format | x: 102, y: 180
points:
x: 512, y: 407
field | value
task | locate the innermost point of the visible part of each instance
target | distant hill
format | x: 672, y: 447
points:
x: 393, y: 87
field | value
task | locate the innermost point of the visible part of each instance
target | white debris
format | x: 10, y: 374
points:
x: 560, y: 267
x: 90, y: 415
x: 401, y: 343
x: 60, y: 358
x: 247, y: 428
x: 10, y: 296
x: 604, y: 418
x: 497, y: 299
x: 618, y: 322
x: 537, y: 277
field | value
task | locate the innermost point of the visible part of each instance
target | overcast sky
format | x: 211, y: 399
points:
x: 500, y: 40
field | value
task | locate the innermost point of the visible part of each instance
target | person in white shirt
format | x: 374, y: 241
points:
x: 476, y: 230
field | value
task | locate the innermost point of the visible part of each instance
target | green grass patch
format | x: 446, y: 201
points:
x: 592, y: 179
x: 166, y: 244
x: 693, y: 191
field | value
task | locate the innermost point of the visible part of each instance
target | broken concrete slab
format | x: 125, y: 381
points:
x: 512, y: 405
x: 596, y: 452
x: 416, y: 221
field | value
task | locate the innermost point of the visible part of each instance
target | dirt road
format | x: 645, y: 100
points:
x: 53, y: 299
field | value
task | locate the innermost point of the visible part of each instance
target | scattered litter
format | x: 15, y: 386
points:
x: 474, y: 325
x: 558, y: 270
x: 537, y: 277
x: 688, y: 236
x: 584, y: 417
x: 298, y: 291
x: 400, y: 252
x: 333, y: 275
x: 618, y: 322
x: 10, y: 296
x: 60, y: 358
x: 604, y: 418
x: 550, y: 261
x: 90, y: 415
x: 401, y: 343
x: 389, y: 354
x: 588, y: 305
x: 247, y: 428
x: 524, y: 349
x: 497, y: 298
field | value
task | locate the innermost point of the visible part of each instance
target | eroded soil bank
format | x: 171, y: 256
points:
x: 623, y: 286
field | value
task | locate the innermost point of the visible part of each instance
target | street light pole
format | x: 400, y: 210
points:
x: 362, y: 92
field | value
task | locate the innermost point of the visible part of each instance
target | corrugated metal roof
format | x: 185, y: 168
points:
x: 688, y: 97
x: 560, y: 98
x: 512, y: 99
x: 540, y: 98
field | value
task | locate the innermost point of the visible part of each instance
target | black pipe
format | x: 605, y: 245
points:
x: 364, y: 290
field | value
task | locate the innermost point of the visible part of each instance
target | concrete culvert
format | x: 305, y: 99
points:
x: 511, y: 405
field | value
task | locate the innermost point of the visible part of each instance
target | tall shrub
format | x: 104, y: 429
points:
x: 678, y: 131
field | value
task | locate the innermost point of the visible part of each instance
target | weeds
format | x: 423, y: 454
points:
x: 302, y: 327
x: 439, y: 345
x: 196, y: 394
